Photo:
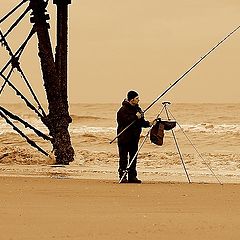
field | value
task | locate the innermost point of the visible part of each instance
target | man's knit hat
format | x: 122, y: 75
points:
x: 131, y: 94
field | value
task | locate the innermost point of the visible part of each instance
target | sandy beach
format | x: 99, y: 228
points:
x: 48, y: 208
x: 116, y: 46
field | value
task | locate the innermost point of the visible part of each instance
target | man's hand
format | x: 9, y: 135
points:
x: 139, y: 115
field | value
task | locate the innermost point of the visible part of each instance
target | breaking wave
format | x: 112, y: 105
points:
x: 83, y: 129
x: 194, y: 128
x: 211, y: 128
x: 77, y: 118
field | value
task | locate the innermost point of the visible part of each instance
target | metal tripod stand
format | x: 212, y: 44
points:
x: 165, y: 107
x: 165, y: 104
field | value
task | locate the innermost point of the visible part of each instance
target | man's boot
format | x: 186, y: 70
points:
x: 134, y: 180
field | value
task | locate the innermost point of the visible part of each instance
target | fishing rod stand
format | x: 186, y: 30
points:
x: 168, y: 113
x: 165, y: 107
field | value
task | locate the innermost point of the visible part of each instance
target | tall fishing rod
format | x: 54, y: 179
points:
x: 181, y: 77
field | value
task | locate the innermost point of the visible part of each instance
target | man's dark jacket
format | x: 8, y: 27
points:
x: 125, y: 116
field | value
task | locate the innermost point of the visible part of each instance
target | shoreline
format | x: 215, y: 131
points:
x: 169, y: 175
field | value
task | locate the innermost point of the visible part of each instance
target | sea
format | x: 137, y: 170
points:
x: 203, y: 147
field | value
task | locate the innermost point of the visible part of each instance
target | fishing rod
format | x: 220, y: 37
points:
x: 180, y: 78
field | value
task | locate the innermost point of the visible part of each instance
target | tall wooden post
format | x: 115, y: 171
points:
x: 61, y: 58
x: 55, y: 82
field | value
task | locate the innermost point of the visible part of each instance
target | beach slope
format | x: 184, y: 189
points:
x: 50, y: 208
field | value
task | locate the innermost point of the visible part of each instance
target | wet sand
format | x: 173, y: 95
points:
x: 50, y: 208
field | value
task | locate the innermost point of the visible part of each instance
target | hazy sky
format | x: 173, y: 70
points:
x: 145, y: 45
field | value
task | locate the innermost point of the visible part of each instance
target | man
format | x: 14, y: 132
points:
x: 128, y: 140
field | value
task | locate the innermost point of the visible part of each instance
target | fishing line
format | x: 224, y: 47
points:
x: 180, y: 78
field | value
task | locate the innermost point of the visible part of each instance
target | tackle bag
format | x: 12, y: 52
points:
x: 157, y: 131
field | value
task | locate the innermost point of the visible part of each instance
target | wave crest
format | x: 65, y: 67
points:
x: 211, y: 128
x: 77, y: 118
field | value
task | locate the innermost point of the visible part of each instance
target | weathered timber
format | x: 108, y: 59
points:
x: 61, y: 56
x: 55, y: 82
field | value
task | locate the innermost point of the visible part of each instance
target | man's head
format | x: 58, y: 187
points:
x: 133, y: 97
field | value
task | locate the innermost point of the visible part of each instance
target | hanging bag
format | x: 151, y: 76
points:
x: 157, y: 131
